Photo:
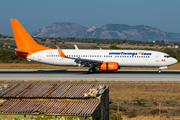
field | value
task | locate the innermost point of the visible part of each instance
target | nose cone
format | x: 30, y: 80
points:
x: 174, y: 61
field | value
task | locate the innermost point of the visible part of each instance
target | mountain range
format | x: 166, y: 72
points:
x: 108, y: 31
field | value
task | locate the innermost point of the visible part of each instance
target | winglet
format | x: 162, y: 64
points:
x: 60, y: 51
x: 76, y: 47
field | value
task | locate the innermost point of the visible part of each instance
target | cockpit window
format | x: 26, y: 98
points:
x: 167, y: 56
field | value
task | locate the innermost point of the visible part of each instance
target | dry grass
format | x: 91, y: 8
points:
x: 150, y: 118
x: 45, y: 66
x: 167, y: 93
x: 157, y: 91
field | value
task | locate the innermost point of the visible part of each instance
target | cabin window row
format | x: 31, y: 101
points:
x: 53, y: 55
x: 133, y: 56
x: 75, y: 56
x: 83, y: 55
x: 100, y: 56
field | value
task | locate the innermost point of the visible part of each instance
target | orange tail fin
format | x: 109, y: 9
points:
x: 24, y: 41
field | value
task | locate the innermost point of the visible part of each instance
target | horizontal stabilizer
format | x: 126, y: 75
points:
x: 21, y: 54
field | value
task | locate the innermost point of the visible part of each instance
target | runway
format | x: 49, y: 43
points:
x: 83, y: 74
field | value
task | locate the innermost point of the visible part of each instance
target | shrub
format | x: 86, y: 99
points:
x: 131, y: 115
x: 116, y: 117
x: 115, y: 107
x: 139, y: 102
x: 4, y: 61
x: 154, y: 111
x: 16, y: 61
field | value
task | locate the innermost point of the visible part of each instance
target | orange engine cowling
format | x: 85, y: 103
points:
x: 105, y: 66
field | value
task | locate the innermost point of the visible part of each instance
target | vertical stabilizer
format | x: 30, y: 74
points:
x: 24, y: 41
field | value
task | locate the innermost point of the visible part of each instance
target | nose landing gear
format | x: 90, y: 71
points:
x: 159, y: 70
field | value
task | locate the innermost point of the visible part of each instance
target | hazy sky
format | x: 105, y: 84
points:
x: 35, y: 14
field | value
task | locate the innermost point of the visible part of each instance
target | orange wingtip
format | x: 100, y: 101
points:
x: 60, y: 51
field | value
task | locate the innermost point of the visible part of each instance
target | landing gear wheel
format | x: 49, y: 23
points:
x: 92, y: 70
x: 159, y: 70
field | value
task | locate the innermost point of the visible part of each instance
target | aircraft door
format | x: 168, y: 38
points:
x: 157, y: 57
x: 39, y: 57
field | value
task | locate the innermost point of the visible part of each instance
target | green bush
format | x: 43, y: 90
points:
x: 131, y: 115
x: 115, y: 47
x: 154, y: 111
x: 4, y: 61
x: 116, y: 117
x: 115, y: 107
x: 139, y: 102
x: 17, y: 61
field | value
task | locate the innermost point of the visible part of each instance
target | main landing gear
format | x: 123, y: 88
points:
x: 92, y: 70
x: 159, y: 70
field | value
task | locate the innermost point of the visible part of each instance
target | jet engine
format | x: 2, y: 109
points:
x: 108, y: 66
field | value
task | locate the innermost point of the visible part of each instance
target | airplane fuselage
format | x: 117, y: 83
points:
x: 125, y: 58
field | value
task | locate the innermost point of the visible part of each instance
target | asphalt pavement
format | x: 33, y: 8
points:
x: 83, y: 74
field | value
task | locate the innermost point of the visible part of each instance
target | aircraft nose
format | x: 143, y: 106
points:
x: 174, y: 60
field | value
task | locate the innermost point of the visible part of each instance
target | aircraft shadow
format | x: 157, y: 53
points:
x: 65, y: 71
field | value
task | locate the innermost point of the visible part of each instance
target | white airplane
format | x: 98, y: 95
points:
x: 104, y: 60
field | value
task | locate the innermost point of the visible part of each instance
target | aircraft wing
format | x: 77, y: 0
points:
x: 78, y: 59
x: 87, y: 60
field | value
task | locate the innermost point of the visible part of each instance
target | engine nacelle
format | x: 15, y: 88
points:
x: 108, y: 66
